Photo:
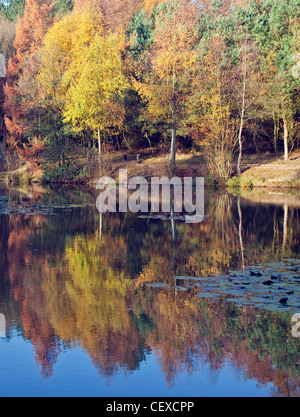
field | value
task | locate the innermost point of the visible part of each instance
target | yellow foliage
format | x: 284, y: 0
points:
x: 82, y: 70
x: 95, y: 85
x: 63, y: 43
x: 151, y: 3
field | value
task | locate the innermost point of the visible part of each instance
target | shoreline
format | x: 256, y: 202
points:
x: 258, y: 171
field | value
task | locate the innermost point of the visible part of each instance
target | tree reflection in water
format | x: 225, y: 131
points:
x: 75, y: 278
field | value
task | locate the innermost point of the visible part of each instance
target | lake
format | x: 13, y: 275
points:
x: 132, y: 305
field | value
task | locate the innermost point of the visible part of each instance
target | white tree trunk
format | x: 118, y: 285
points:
x: 286, y: 139
x: 285, y: 225
x: 173, y: 139
x: 240, y: 140
x: 242, y: 111
x: 100, y: 152
x: 241, y: 232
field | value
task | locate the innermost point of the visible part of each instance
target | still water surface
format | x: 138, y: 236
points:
x: 126, y: 305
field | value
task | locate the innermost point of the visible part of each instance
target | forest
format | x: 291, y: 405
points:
x: 85, y: 78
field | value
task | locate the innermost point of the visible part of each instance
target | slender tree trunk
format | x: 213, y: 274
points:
x: 240, y: 140
x: 242, y: 113
x: 285, y: 224
x: 275, y: 133
x: 285, y: 138
x: 173, y: 139
x: 99, y: 152
x: 93, y: 150
x: 241, y: 232
x: 89, y: 153
x: 173, y: 147
x: 173, y: 226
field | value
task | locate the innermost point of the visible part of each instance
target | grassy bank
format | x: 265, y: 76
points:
x: 261, y: 171
x: 258, y: 171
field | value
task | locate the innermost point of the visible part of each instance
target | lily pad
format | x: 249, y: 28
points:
x: 157, y: 284
x: 240, y: 301
x: 207, y: 295
x: 180, y: 288
x: 192, y: 278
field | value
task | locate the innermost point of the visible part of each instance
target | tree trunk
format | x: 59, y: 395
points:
x: 242, y: 109
x: 241, y: 232
x: 285, y: 138
x: 90, y: 154
x: 100, y: 152
x: 240, y: 143
x: 276, y: 129
x: 173, y: 148
x: 242, y: 119
x: 285, y: 225
x: 173, y: 139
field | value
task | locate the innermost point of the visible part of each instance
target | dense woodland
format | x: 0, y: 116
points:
x: 216, y: 77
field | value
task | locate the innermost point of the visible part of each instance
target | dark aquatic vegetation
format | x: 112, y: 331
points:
x: 256, y: 274
x: 252, y: 292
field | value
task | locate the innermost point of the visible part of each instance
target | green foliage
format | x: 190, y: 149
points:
x: 62, y: 7
x: 234, y: 182
x: 11, y: 9
x: 140, y: 34
x: 70, y: 171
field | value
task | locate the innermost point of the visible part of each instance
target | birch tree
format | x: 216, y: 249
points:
x: 171, y: 62
x: 96, y: 85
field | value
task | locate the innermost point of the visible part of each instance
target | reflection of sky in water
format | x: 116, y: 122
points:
x: 75, y: 375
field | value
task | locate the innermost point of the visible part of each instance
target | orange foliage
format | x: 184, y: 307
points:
x: 30, y: 31
x: 116, y: 13
x: 151, y: 3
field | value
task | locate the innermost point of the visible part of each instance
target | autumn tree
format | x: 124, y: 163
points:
x: 30, y: 32
x: 275, y: 26
x: 116, y: 14
x: 96, y: 86
x: 170, y: 65
x: 248, y: 86
x: 248, y: 89
x: 82, y: 70
x: 210, y: 106
x: 7, y: 35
